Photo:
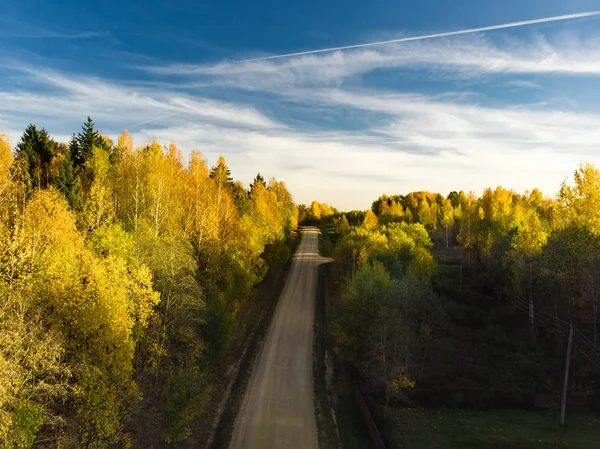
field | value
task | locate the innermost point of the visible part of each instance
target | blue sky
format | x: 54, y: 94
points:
x: 517, y: 106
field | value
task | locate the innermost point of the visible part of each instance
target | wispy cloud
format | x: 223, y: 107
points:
x: 465, y: 58
x: 430, y: 36
x: 66, y: 97
x: 397, y: 142
x: 11, y: 27
x: 42, y: 34
x: 444, y: 125
x: 332, y: 162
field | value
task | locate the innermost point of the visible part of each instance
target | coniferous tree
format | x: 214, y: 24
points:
x: 81, y: 145
x: 258, y: 179
x: 37, y: 148
x: 68, y: 183
x: 221, y: 174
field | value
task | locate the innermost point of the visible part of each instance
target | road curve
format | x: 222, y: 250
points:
x: 278, y: 410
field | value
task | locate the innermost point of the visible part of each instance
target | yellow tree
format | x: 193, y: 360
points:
x: 130, y: 179
x: 447, y: 219
x: 578, y: 215
x: 225, y: 205
x: 469, y: 213
x: 427, y: 216
x: 201, y: 221
x: 5, y: 165
x: 95, y: 303
x: 580, y: 203
x: 125, y: 142
x: 315, y: 211
x: 101, y: 205
x: 526, y: 246
x: 268, y: 218
x: 285, y: 202
x: 370, y: 222
x: 395, y: 209
x: 157, y: 185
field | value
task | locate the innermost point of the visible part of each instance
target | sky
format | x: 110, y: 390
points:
x: 444, y: 106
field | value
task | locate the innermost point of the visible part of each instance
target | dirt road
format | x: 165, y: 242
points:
x: 278, y: 411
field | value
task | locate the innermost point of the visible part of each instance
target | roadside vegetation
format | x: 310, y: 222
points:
x: 465, y: 302
x: 128, y: 279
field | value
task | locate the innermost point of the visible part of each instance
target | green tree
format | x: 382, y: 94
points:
x: 37, y: 148
x: 341, y: 225
x: 81, y: 146
x: 67, y: 182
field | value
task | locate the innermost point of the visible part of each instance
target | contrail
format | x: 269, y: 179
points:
x: 152, y: 120
x: 429, y: 36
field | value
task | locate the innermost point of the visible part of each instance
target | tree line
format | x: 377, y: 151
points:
x: 472, y: 292
x: 127, y: 280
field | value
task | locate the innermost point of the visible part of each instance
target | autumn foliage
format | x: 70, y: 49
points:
x: 472, y: 292
x: 127, y: 277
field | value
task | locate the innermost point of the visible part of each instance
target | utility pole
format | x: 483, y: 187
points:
x: 531, y: 317
x: 567, y: 363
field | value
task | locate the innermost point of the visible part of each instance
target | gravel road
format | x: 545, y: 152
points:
x: 278, y: 410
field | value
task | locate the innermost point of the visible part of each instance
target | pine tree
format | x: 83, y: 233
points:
x: 67, y: 183
x: 82, y: 144
x: 258, y: 179
x: 37, y: 148
x: 221, y: 174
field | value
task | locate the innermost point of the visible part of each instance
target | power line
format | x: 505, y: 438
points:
x: 523, y: 307
x: 588, y: 357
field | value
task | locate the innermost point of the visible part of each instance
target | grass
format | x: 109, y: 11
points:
x: 496, y: 429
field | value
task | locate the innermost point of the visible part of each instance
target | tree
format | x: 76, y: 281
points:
x: 95, y: 303
x: 81, y: 145
x: 370, y: 221
x: 580, y: 203
x: 268, y: 217
x: 202, y: 221
x: 258, y: 180
x: 66, y: 181
x: 427, y: 217
x: 101, y: 206
x: 315, y: 211
x: 526, y: 247
x: 341, y: 225
x: 447, y: 219
x: 124, y: 146
x: 221, y: 174
x: 383, y: 326
x: 5, y: 169
x: 37, y: 148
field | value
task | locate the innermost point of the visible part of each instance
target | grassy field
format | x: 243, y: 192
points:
x: 504, y: 429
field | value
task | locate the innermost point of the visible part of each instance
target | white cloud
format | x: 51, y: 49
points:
x: 71, y: 97
x: 432, y: 123
x: 412, y: 141
x: 464, y: 57
x: 432, y: 145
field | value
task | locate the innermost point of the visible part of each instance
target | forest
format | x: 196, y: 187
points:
x: 128, y: 283
x: 130, y: 280
x: 466, y: 301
